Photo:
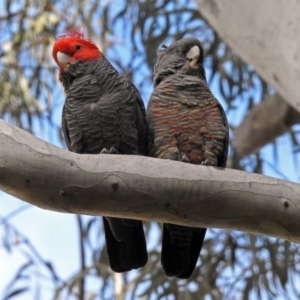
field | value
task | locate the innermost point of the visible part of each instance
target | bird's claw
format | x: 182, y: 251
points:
x: 112, y: 150
x: 184, y: 159
x: 104, y: 151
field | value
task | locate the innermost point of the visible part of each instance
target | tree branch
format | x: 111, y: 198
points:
x: 265, y: 122
x: 265, y: 35
x: 146, y: 188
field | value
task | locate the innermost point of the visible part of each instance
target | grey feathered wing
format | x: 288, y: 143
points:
x: 125, y: 239
x: 96, y: 117
x: 185, y: 120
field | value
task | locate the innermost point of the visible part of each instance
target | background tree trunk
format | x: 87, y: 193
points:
x: 266, y: 35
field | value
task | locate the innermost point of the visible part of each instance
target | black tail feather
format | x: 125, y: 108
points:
x: 129, y: 252
x: 181, y: 247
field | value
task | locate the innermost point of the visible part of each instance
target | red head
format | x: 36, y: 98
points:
x: 71, y: 46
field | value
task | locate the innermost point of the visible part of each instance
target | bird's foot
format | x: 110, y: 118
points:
x: 184, y: 159
x: 112, y: 150
x: 204, y: 163
x: 104, y: 151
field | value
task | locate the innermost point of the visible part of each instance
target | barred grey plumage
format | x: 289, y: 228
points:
x: 103, y: 113
x: 188, y: 124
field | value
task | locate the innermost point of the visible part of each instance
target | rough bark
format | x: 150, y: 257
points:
x: 265, y: 122
x: 265, y: 34
x: 144, y: 188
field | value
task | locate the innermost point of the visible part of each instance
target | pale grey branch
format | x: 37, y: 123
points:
x: 146, y: 188
x: 265, y: 122
x: 264, y: 34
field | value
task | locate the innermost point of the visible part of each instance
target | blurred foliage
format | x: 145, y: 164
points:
x: 234, y: 265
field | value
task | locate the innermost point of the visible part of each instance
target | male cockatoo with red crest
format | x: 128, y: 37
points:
x: 103, y: 113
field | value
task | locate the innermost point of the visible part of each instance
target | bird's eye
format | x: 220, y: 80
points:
x: 77, y: 47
